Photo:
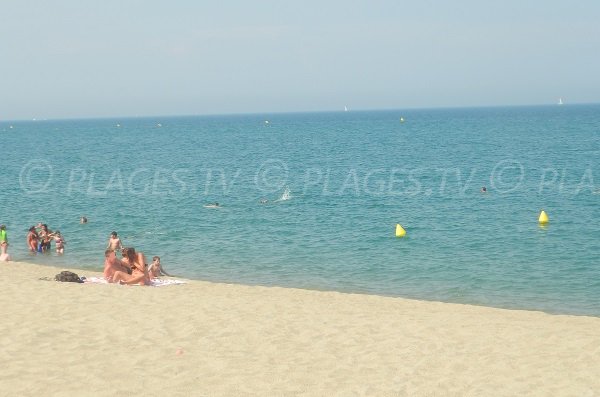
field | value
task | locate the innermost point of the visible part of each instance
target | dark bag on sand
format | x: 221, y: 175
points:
x: 68, y: 276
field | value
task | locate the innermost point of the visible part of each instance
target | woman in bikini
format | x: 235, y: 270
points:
x: 139, y: 271
x: 59, y: 243
x: 32, y: 240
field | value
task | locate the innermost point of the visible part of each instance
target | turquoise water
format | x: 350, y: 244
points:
x: 351, y: 177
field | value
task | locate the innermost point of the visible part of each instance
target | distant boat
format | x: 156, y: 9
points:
x: 560, y: 102
x: 345, y: 108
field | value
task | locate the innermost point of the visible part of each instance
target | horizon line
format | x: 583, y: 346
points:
x: 296, y: 112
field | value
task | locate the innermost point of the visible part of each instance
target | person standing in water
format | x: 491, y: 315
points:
x: 59, y: 243
x: 4, y: 257
x: 45, y: 238
x: 32, y: 240
x: 3, y: 236
x: 114, y: 242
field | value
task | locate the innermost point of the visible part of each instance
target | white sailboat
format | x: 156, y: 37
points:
x: 345, y: 108
x: 560, y: 102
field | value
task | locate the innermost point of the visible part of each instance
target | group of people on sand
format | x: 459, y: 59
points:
x: 132, y: 267
x: 40, y: 238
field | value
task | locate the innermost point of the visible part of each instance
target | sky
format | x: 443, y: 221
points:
x: 81, y: 58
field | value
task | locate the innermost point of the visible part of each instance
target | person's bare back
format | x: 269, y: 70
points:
x: 112, y: 265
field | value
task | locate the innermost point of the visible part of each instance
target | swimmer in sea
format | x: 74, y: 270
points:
x: 483, y: 189
x: 263, y: 201
x: 215, y: 205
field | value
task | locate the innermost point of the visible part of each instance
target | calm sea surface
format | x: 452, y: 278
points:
x: 335, y: 185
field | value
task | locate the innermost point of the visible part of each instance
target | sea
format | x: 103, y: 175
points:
x: 312, y: 200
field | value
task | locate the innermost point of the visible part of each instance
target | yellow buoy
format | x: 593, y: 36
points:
x: 400, y: 232
x: 543, y: 218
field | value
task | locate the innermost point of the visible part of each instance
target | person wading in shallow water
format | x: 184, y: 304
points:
x: 114, y: 242
x: 3, y: 236
x: 32, y: 240
x: 59, y: 242
x: 45, y: 238
x: 4, y: 257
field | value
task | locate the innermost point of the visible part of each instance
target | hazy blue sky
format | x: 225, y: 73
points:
x: 75, y: 58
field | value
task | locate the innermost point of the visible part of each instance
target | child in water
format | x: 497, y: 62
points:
x: 4, y: 257
x: 114, y: 242
x: 60, y: 242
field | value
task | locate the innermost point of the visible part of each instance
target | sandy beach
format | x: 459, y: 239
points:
x: 208, y: 339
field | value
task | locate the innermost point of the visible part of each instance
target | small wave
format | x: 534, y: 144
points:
x: 287, y: 195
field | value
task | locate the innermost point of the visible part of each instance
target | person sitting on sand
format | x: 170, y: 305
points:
x: 156, y: 270
x: 59, y: 242
x: 32, y: 240
x: 114, y: 242
x: 4, y: 257
x: 125, y: 259
x: 112, y: 265
x: 139, y: 270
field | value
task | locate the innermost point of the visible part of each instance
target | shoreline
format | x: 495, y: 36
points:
x: 209, y: 338
x: 98, y: 272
